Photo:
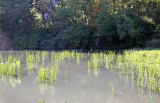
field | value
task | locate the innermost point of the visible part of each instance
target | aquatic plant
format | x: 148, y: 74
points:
x: 144, y: 64
x: 95, y: 61
x: 14, y: 81
x: 48, y: 75
x: 37, y: 57
x: 66, y: 73
x: 44, y: 56
x: 9, y: 65
x: 1, y: 59
x: 113, y: 90
x: 51, y: 101
x: 30, y: 57
x: 43, y: 74
x: 11, y: 70
x: 139, y: 65
x: 18, y: 64
x: 53, y: 74
x: 77, y: 57
x: 3, y: 68
x: 89, y: 67
x: 41, y: 101
x: 30, y: 60
x: 106, y: 60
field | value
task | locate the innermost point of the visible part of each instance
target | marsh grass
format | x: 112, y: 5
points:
x: 89, y: 67
x: 30, y: 60
x: 37, y: 58
x: 9, y: 65
x: 11, y: 80
x: 66, y: 74
x: 44, y: 56
x: 48, y: 75
x: 11, y: 70
x: 42, y: 101
x: 1, y: 59
x: 94, y: 64
x: 139, y: 65
x: 43, y: 74
x: 51, y: 101
x: 143, y: 64
x: 53, y: 73
x: 78, y: 57
x: 113, y: 90
x: 18, y: 64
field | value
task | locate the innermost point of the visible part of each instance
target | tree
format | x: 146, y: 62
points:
x: 16, y: 16
x: 46, y: 9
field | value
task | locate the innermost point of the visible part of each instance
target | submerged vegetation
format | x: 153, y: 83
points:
x: 46, y: 74
x: 141, y: 66
x: 113, y: 90
x: 51, y: 101
x: 9, y: 65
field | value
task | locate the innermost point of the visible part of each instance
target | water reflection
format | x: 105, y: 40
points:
x: 45, y: 87
x: 74, y: 76
x: 11, y: 80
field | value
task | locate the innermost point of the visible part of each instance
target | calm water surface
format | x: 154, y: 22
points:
x: 74, y: 84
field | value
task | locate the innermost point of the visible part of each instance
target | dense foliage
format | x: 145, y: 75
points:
x: 80, y: 24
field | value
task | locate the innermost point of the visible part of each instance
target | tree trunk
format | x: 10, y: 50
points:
x: 123, y: 1
x: 149, y: 5
x: 139, y: 5
x: 114, y: 6
x: 43, y: 17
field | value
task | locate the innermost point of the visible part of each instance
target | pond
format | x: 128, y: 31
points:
x: 76, y: 77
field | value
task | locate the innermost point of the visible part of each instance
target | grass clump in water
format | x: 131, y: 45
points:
x: 10, y: 65
x: 143, y: 65
x: 46, y: 75
x: 43, y: 74
x: 30, y: 60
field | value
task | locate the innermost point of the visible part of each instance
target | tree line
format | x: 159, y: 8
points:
x: 80, y: 24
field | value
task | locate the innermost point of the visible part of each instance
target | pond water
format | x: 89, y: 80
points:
x: 75, y: 81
